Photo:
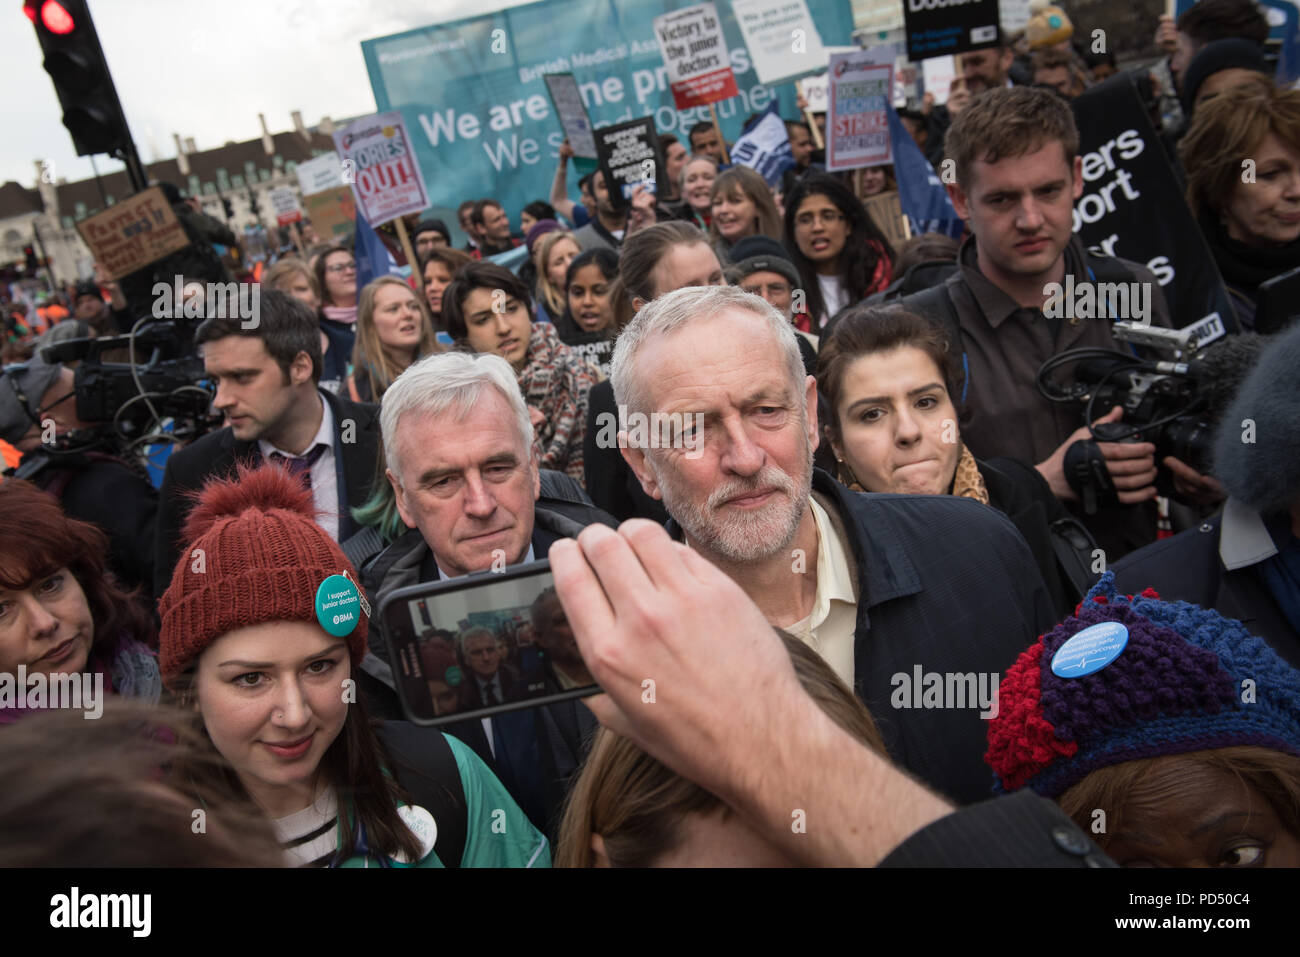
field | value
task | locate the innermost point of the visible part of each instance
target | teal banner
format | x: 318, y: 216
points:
x: 476, y: 105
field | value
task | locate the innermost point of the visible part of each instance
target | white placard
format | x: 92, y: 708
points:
x: 783, y: 40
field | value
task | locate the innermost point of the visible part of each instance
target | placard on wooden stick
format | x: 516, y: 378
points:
x: 133, y: 233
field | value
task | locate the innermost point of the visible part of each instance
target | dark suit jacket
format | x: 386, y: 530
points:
x: 509, y: 687
x: 945, y: 585
x: 217, y: 454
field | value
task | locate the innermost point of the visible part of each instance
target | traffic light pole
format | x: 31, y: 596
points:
x: 134, y: 168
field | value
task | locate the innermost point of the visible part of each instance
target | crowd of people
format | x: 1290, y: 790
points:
x: 873, y: 565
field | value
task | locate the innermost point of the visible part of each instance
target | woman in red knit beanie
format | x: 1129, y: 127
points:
x: 263, y: 627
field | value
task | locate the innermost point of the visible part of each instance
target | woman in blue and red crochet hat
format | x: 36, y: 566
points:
x: 1170, y: 733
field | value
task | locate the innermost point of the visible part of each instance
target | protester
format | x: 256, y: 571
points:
x: 1058, y: 71
x: 428, y: 235
x: 578, y: 214
x: 553, y: 253
x: 266, y: 388
x: 393, y: 330
x: 1185, y: 745
x: 874, y: 180
x: 588, y: 325
x: 1203, y: 23
x: 801, y: 151
x: 1252, y: 223
x: 302, y: 751
x: 488, y: 310
x: 988, y: 68
x: 763, y: 267
x: 609, y: 226
x: 741, y: 205
x: 292, y: 276
x: 1242, y: 562
x: 61, y: 609
x: 696, y: 189
x: 336, y: 276
x: 743, y: 700
x: 464, y: 212
x: 958, y: 96
x: 675, y: 155
x: 705, y: 138
x: 492, y: 229
x: 628, y: 810
x: 440, y: 266
x: 462, y: 418
x: 887, y: 375
x: 66, y: 457
x: 841, y: 255
x: 657, y: 260
x: 1222, y: 66
x: 742, y: 490
x: 534, y: 213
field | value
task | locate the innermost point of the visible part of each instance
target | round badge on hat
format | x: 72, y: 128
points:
x: 338, y: 605
x: 1090, y: 650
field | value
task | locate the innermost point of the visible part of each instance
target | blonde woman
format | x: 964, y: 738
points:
x: 554, y: 252
x: 393, y: 330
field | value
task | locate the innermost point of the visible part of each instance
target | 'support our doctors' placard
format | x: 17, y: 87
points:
x: 132, y: 233
x: 695, y: 54
x: 376, y: 151
x: 857, y: 129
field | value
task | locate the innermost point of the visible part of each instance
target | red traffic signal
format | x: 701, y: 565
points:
x: 50, y: 14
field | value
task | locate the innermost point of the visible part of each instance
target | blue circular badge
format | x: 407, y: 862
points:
x: 1090, y: 650
x: 338, y: 605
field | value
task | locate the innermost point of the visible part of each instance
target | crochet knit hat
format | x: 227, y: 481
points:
x: 1047, y: 26
x: 263, y: 558
x: 1188, y: 679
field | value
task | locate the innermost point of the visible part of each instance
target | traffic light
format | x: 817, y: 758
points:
x: 30, y: 263
x: 75, y: 61
x: 229, y: 210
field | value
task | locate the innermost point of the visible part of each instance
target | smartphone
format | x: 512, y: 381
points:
x: 481, y: 645
x: 1277, y: 302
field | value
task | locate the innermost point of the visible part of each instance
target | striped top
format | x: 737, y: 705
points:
x: 308, y: 836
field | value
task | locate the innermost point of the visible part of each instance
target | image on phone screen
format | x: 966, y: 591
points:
x: 482, y: 645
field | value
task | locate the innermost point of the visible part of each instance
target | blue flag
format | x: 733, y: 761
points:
x: 765, y: 146
x: 373, y: 258
x: 920, y: 192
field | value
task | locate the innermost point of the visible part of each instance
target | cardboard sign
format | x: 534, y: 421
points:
x: 1131, y: 205
x: 320, y: 174
x: 857, y: 124
x: 133, y: 233
x: 696, y: 55
x: 783, y: 40
x: 333, y: 212
x: 942, y: 27
x: 887, y: 213
x: 629, y: 157
x: 285, y: 204
x: 377, y: 154
x: 573, y: 115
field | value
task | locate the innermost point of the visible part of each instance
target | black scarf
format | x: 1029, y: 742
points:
x: 1243, y: 266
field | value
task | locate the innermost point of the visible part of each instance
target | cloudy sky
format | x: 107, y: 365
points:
x: 206, y: 68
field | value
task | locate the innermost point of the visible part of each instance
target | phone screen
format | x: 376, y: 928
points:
x: 481, y: 645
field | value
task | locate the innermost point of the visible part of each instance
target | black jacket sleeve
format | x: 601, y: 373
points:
x: 1018, y: 830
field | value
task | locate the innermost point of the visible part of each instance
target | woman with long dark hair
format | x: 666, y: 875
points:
x: 841, y: 255
x: 261, y: 644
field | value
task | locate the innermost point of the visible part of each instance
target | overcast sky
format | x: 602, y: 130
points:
x: 205, y: 68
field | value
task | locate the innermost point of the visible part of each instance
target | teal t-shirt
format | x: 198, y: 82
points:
x: 497, y: 833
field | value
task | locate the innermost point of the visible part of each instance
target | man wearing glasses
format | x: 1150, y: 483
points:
x: 38, y: 417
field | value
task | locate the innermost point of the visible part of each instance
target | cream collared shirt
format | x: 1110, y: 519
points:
x: 830, y: 628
